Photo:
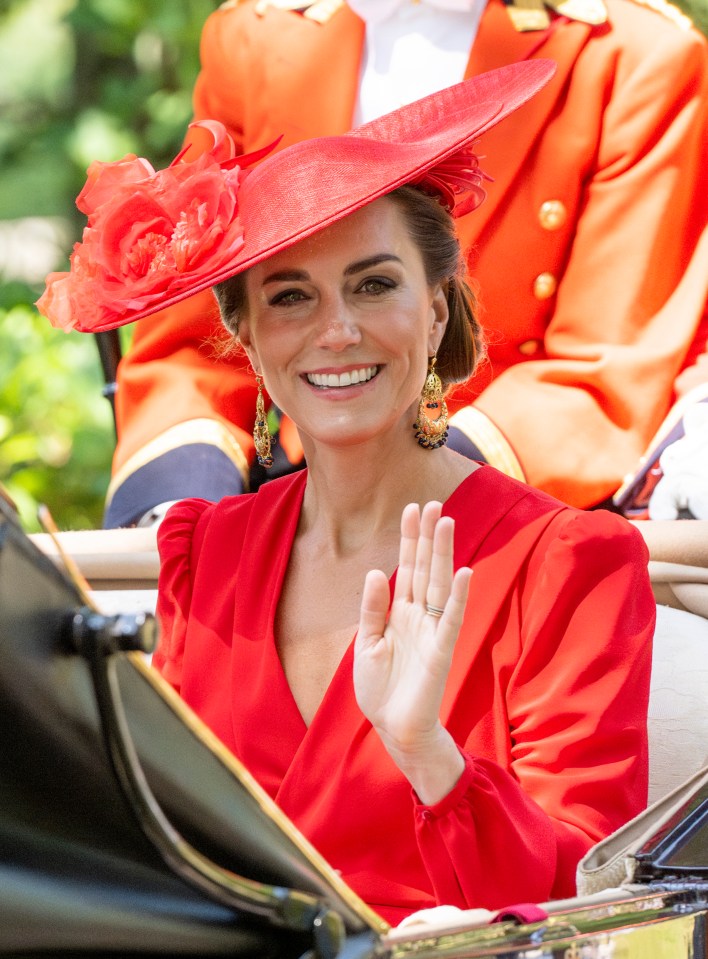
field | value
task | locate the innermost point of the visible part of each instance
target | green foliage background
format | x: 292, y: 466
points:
x: 81, y: 80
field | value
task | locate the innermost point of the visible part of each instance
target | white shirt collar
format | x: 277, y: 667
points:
x: 377, y: 10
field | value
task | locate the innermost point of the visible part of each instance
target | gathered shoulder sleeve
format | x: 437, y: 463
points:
x: 179, y: 541
x: 575, y: 688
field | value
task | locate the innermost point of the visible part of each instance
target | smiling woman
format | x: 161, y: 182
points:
x: 440, y: 737
x: 353, y: 299
x: 432, y: 230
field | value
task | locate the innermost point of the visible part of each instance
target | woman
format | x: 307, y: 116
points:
x: 481, y: 731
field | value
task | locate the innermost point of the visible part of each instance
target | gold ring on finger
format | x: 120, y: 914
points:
x: 434, y: 610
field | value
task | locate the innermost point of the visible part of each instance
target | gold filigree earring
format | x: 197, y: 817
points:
x: 431, y: 423
x: 261, y: 433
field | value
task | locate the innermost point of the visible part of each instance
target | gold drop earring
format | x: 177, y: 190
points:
x: 261, y: 433
x: 431, y: 423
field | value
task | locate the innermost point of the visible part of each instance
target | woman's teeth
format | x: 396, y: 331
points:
x: 342, y: 379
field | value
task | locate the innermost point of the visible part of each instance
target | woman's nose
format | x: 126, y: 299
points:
x: 337, y: 326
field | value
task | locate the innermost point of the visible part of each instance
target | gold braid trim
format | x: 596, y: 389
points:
x: 322, y: 11
x: 204, y: 430
x: 317, y: 10
x: 525, y: 14
x: 490, y: 441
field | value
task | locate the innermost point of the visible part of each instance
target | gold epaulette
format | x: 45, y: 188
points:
x: 527, y: 15
x: 318, y: 10
x: 668, y: 10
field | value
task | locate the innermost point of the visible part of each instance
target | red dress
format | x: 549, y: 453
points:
x: 547, y: 694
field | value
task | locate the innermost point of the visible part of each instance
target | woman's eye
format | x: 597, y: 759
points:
x: 376, y: 285
x: 288, y: 297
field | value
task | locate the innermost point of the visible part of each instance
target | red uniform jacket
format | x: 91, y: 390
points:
x: 590, y: 252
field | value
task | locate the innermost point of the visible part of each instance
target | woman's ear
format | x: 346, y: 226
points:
x: 244, y: 338
x: 439, y: 315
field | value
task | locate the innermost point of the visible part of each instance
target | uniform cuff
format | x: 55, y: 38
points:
x: 197, y: 469
x: 462, y: 444
x: 486, y: 437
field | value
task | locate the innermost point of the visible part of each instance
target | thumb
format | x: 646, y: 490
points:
x: 375, y: 600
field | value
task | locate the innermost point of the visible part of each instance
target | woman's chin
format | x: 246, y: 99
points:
x: 346, y: 435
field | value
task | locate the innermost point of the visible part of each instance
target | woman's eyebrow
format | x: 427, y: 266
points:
x: 286, y: 276
x: 289, y: 276
x: 370, y: 261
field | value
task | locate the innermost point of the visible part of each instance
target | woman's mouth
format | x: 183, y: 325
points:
x: 338, y: 380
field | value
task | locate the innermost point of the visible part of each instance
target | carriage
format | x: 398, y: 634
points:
x: 110, y: 848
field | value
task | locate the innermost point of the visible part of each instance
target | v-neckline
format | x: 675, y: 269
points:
x: 343, y: 672
x: 278, y: 581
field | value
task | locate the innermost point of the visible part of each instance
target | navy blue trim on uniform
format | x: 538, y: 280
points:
x: 461, y: 443
x: 197, y: 469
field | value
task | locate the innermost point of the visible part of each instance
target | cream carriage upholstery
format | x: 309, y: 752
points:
x: 678, y: 702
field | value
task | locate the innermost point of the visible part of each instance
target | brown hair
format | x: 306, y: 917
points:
x: 432, y: 229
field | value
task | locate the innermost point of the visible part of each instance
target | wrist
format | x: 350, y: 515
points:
x: 432, y: 764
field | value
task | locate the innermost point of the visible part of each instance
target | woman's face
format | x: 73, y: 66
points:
x: 341, y: 326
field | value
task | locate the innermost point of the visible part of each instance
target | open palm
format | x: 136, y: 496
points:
x: 402, y: 658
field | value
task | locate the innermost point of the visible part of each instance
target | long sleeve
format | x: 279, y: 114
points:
x: 184, y: 411
x: 576, y: 701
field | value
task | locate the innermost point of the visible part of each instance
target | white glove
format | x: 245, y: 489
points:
x: 684, y: 485
x: 444, y: 917
x: 155, y: 516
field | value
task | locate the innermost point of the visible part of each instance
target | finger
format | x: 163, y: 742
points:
x: 451, y: 620
x: 410, y: 529
x: 441, y: 568
x: 375, y: 599
x: 424, y: 551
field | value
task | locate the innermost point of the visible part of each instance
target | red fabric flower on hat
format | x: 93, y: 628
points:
x: 149, y: 234
x: 457, y: 181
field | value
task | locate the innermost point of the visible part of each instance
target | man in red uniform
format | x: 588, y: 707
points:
x: 590, y: 252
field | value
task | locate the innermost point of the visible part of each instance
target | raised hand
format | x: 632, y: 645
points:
x: 402, y: 659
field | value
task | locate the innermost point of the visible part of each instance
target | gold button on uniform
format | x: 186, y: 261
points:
x: 552, y: 215
x: 529, y: 347
x: 544, y: 286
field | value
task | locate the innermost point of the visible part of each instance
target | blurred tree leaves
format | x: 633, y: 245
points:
x: 89, y: 79
x: 81, y: 80
x: 697, y: 10
x: 55, y: 427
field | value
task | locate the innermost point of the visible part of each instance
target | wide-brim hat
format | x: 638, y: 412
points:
x: 156, y: 237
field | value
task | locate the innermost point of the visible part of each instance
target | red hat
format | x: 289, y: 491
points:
x: 156, y: 237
